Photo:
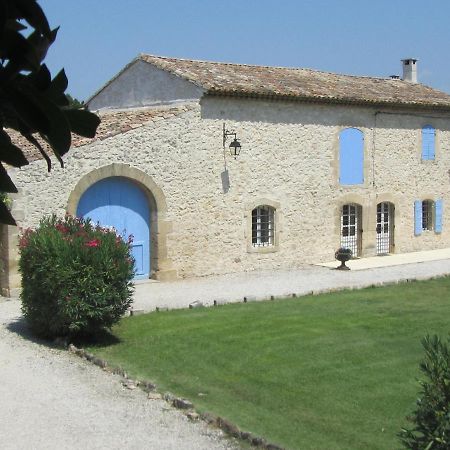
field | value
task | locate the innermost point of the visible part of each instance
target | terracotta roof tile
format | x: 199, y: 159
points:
x: 302, y: 84
x: 112, y: 123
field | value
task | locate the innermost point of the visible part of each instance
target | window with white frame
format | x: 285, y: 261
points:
x: 263, y: 226
x: 351, y: 231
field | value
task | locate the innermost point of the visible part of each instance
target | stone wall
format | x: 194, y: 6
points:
x: 289, y: 159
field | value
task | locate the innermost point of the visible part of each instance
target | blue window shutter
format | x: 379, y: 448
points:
x: 417, y: 217
x: 428, y: 142
x: 351, y: 156
x: 438, y: 216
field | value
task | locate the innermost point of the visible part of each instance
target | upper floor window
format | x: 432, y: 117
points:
x: 428, y: 142
x: 351, y: 156
x: 263, y: 226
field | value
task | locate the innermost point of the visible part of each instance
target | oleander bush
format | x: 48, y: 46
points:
x: 431, y: 419
x: 76, y: 277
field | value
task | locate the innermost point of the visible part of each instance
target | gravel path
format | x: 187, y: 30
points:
x: 51, y: 399
x: 261, y: 285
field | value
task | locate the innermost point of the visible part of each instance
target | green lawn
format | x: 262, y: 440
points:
x: 335, y: 371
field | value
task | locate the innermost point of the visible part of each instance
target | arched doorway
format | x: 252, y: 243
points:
x: 385, y: 228
x: 120, y: 203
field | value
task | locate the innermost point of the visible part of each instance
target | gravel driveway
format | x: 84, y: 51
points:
x: 51, y: 399
x: 261, y: 285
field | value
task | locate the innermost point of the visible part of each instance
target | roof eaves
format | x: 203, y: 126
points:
x: 325, y: 100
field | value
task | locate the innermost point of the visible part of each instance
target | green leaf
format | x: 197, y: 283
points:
x: 18, y: 51
x: 59, y: 136
x: 41, y: 43
x: 82, y: 122
x: 28, y: 111
x: 6, y: 184
x: 58, y: 132
x: 10, y: 153
x: 12, y: 24
x: 33, y: 14
x: 36, y: 143
x: 5, y: 215
x: 56, y: 89
x: 41, y: 79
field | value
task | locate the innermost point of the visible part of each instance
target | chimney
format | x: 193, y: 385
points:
x: 410, y: 70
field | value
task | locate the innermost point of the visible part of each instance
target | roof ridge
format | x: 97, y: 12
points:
x: 263, y: 66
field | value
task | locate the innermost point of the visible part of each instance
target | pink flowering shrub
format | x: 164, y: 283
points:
x: 76, y: 277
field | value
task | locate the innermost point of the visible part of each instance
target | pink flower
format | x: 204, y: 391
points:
x: 93, y: 243
x: 24, y: 239
x: 62, y: 228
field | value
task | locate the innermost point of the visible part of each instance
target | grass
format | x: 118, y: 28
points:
x: 335, y: 371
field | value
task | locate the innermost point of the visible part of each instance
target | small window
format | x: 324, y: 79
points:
x: 428, y: 143
x: 263, y: 226
x: 427, y: 215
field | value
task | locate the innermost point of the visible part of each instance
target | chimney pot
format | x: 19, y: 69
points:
x: 410, y: 70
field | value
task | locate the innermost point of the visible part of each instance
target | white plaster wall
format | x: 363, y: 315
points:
x: 289, y: 155
x: 142, y: 84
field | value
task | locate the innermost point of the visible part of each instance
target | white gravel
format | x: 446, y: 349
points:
x: 262, y: 285
x: 51, y: 399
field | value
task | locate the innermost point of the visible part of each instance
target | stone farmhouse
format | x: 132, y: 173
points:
x: 325, y: 161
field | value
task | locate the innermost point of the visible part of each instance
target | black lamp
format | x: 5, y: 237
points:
x: 235, y: 148
x: 235, y: 145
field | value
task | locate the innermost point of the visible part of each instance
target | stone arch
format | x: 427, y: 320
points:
x: 161, y: 265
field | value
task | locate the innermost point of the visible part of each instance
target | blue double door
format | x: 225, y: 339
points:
x: 118, y: 202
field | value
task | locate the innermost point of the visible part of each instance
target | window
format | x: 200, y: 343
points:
x: 263, y: 226
x: 428, y: 142
x: 385, y: 228
x: 351, y: 156
x: 351, y: 233
x: 427, y: 216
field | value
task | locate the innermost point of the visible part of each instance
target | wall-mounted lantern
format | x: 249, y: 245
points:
x: 235, y: 145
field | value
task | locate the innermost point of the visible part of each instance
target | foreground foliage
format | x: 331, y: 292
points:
x: 31, y: 102
x: 334, y: 371
x: 76, y: 277
x: 431, y: 418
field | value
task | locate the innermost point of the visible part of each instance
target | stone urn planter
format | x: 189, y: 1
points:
x: 343, y: 255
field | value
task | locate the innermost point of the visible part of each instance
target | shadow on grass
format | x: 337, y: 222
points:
x: 103, y: 338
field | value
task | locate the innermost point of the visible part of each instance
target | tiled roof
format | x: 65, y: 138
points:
x: 112, y: 123
x: 302, y: 84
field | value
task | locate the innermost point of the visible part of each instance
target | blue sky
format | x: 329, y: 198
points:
x: 360, y: 37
